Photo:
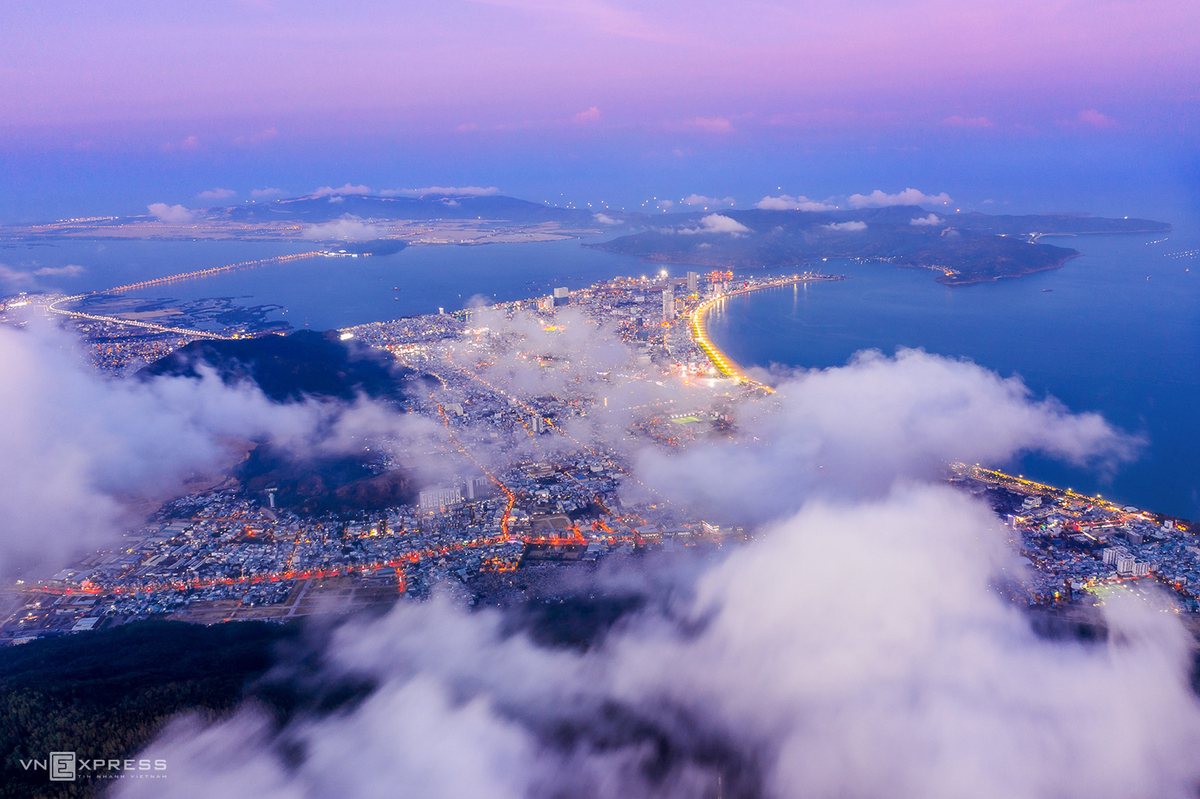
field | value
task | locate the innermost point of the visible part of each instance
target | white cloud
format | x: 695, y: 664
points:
x: 717, y: 223
x: 268, y: 192
x: 443, y: 191
x: 878, y: 198
x: 700, y: 199
x: 329, y: 191
x: 786, y: 202
x: 78, y: 446
x: 216, y: 194
x: 932, y: 219
x: 860, y: 644
x: 605, y: 219
x: 665, y: 204
x: 846, y: 227
x: 861, y: 427
x: 171, y: 214
x: 27, y: 280
x: 348, y: 228
x: 70, y: 270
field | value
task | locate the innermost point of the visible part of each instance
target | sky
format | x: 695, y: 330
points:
x: 112, y: 106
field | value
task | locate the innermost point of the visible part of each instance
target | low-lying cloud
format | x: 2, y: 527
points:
x: 81, y: 449
x: 926, y: 221
x: 846, y: 227
x: 862, y: 644
x: 786, y: 202
x: 171, y: 214
x: 855, y: 649
x: 217, y: 194
x: 700, y: 199
x: 879, y: 198
x: 443, y: 191
x: 717, y: 223
x: 13, y: 279
x: 347, y: 228
x: 346, y: 190
x: 861, y: 427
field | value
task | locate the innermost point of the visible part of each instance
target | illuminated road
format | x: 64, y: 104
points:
x: 162, y: 281
x: 182, y: 331
x: 697, y: 322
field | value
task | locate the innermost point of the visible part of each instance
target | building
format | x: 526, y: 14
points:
x: 433, y: 500
x: 537, y: 423
x: 669, y: 303
x: 1128, y: 567
x: 562, y: 296
x: 693, y: 282
x: 478, y: 487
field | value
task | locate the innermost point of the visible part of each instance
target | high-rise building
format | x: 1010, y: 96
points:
x: 668, y: 303
x: 693, y: 280
x: 435, y: 499
x: 537, y: 423
x: 562, y: 296
x: 478, y: 487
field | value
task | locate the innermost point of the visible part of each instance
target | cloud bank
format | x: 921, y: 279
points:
x: 846, y: 227
x: 84, y: 452
x: 861, y: 645
x: 443, y: 191
x: 217, y: 194
x: 700, y: 199
x: 347, y: 228
x: 717, y: 223
x: 171, y: 214
x: 927, y: 221
x: 348, y: 189
x: 786, y: 202
x: 879, y: 198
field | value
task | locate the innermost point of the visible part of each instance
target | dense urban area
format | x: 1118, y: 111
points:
x: 534, y: 439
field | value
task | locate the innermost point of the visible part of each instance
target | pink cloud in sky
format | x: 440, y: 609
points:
x: 590, y: 115
x: 233, y: 67
x: 710, y: 124
x: 330, y: 191
x: 957, y: 121
x: 1094, y: 118
x: 266, y: 134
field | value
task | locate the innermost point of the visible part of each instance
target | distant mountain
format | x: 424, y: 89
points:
x: 430, y: 207
x: 963, y: 248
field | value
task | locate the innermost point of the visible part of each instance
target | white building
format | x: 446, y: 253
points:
x: 433, y: 500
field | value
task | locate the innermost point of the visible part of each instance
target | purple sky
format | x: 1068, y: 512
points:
x: 241, y: 83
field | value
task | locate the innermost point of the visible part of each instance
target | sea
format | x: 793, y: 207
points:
x: 1116, y: 331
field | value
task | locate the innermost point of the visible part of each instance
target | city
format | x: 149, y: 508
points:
x: 535, y: 447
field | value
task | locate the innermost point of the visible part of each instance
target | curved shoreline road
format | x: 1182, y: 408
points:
x: 698, y: 324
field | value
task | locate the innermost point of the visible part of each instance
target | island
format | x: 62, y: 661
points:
x: 961, y: 248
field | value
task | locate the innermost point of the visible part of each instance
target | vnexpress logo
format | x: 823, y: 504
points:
x: 62, y: 766
x: 68, y: 766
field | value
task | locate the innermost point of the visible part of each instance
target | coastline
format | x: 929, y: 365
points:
x: 698, y: 326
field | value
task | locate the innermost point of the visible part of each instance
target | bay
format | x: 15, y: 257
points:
x: 1116, y: 331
